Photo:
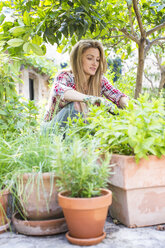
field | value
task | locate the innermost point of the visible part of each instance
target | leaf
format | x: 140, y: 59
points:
x: 2, y: 112
x: 15, y: 42
x: 36, y: 49
x: 43, y: 47
x: 16, y: 31
x: 37, y: 40
x: 85, y: 3
x: 27, y: 47
x: 26, y: 18
x: 2, y: 17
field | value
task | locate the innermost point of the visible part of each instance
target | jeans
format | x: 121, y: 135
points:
x: 60, y: 119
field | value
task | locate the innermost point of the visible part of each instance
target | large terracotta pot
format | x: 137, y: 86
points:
x: 38, y: 196
x: 138, y: 190
x: 4, y: 221
x: 85, y: 217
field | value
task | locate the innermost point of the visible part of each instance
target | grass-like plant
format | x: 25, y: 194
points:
x: 79, y: 167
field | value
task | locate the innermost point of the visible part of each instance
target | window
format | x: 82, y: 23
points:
x: 31, y: 89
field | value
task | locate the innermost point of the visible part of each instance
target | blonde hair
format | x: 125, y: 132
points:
x: 94, y: 84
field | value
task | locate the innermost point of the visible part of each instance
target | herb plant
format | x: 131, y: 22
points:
x: 138, y: 130
x: 79, y: 168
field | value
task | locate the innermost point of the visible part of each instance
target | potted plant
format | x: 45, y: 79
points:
x: 82, y: 181
x: 35, y: 187
x: 136, y: 137
x: 5, y: 183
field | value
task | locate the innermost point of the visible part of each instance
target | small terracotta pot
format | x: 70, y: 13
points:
x: 85, y: 217
x: 4, y: 221
x: 38, y: 196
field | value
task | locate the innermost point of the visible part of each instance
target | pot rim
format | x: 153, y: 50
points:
x: 85, y: 203
x: 45, y: 175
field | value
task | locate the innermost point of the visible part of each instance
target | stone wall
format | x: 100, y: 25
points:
x: 35, y: 86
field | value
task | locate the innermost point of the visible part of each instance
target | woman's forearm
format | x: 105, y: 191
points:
x: 74, y: 96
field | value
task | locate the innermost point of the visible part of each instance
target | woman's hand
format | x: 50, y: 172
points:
x: 95, y: 100
x: 123, y: 102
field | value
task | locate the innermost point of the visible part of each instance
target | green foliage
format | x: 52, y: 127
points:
x: 16, y: 113
x: 17, y: 116
x: 46, y: 21
x: 9, y: 76
x: 6, y: 167
x: 76, y: 164
x: 33, y: 152
x: 137, y: 130
x: 125, y: 83
x: 42, y: 64
x: 79, y: 168
x: 30, y: 152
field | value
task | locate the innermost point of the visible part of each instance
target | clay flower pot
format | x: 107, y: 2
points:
x: 4, y: 221
x: 138, y: 190
x: 38, y: 196
x: 39, y: 227
x: 85, y: 217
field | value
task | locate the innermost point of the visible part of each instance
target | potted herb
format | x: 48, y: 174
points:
x: 136, y: 137
x: 35, y: 186
x: 82, y: 181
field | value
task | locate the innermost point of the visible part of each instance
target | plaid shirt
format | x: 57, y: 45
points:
x: 65, y: 81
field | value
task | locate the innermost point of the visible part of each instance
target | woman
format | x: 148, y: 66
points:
x: 73, y: 89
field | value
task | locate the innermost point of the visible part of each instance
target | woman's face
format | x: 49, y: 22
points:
x: 90, y: 61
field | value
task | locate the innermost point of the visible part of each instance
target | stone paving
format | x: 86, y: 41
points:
x: 118, y: 236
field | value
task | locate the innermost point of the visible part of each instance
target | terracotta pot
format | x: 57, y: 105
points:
x: 85, y: 217
x: 4, y: 221
x: 39, y: 227
x: 138, y: 190
x: 38, y: 196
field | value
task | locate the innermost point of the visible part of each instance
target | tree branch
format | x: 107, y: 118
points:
x: 138, y: 17
x: 155, y: 29
x: 151, y: 43
x: 130, y: 18
x: 115, y: 44
x: 112, y: 36
x: 125, y: 32
x: 158, y: 60
x: 132, y: 37
x: 152, y: 86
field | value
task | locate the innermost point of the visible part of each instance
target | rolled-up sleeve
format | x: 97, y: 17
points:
x: 62, y: 83
x: 110, y: 92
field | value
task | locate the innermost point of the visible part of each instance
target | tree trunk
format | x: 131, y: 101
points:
x: 140, y: 68
x: 162, y: 80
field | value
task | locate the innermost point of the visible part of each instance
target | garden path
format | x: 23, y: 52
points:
x: 118, y: 236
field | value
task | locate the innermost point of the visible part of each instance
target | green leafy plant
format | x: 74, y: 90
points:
x: 6, y: 168
x: 41, y: 64
x: 16, y: 113
x: 137, y: 130
x: 79, y: 168
x: 17, y: 116
x: 126, y: 82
